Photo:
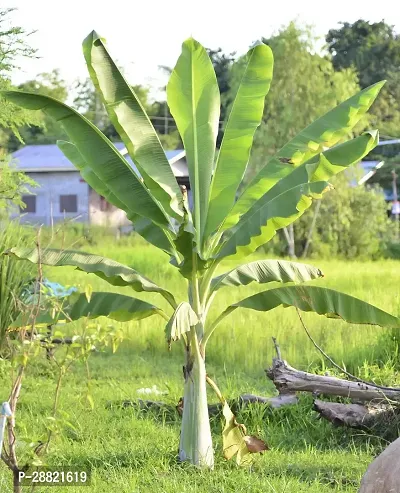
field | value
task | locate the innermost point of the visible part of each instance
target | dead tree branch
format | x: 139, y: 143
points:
x: 333, y: 363
x: 288, y: 379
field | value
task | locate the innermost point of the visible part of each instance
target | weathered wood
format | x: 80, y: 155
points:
x: 288, y: 379
x: 281, y: 400
x: 246, y: 399
x: 352, y: 415
x: 383, y: 475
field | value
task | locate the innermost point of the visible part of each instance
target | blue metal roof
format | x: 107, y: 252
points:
x: 40, y: 157
x: 48, y: 157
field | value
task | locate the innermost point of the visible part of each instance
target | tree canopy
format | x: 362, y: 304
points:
x: 373, y: 49
x: 45, y: 130
x: 13, y: 45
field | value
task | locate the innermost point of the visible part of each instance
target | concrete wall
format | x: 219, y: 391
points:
x: 51, y: 186
x: 54, y: 184
x: 111, y: 217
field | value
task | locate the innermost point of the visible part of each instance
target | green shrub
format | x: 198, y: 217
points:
x: 13, y: 184
x: 352, y: 223
x: 14, y: 275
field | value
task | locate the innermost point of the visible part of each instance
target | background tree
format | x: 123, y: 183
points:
x: 161, y: 118
x: 373, y: 49
x: 48, y: 131
x: 13, y: 45
x: 304, y: 87
x: 13, y: 185
x: 88, y: 102
x: 351, y: 222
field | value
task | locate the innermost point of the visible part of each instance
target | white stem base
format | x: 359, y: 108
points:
x: 196, y: 442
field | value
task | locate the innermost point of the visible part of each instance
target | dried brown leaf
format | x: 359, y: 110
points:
x: 255, y: 445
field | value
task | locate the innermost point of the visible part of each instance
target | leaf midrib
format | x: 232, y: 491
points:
x: 196, y: 157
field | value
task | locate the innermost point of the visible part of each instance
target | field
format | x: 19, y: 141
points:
x: 135, y: 451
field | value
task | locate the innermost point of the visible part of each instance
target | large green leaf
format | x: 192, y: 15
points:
x: 260, y: 224
x: 264, y: 271
x: 185, y: 243
x: 151, y: 232
x: 111, y: 271
x: 321, y: 167
x: 71, y: 152
x: 133, y: 125
x: 244, y: 118
x: 154, y: 234
x: 181, y: 321
x: 323, y: 301
x: 112, y: 305
x: 324, y: 166
x: 323, y: 133
x: 99, y: 153
x: 194, y: 101
x: 341, y: 156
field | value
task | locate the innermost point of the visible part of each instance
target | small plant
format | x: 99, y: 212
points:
x: 13, y: 184
x: 24, y: 449
x: 220, y: 225
x: 14, y: 277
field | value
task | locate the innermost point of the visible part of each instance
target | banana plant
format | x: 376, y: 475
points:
x: 222, y: 223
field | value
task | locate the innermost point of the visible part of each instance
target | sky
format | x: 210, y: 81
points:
x: 143, y: 34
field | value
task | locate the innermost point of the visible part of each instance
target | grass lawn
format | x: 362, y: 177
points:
x: 135, y: 451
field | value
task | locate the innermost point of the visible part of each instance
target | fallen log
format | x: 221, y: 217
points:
x: 289, y: 380
x: 281, y: 400
x: 246, y: 399
x: 363, y: 417
x: 379, y: 405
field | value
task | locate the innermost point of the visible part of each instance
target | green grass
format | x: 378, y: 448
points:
x: 136, y: 451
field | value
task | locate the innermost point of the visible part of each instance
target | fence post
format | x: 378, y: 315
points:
x: 5, y: 412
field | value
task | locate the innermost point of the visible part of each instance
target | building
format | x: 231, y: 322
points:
x: 370, y: 168
x: 63, y: 194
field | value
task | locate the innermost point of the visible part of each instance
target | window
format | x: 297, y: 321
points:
x: 68, y: 203
x: 30, y: 204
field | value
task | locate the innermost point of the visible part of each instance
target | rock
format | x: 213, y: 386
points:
x: 383, y: 475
